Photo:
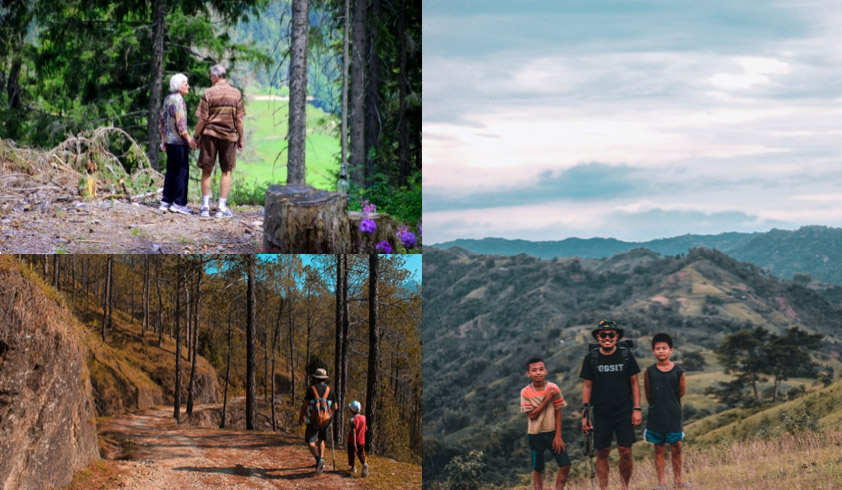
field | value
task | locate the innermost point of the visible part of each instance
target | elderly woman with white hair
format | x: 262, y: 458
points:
x: 176, y: 141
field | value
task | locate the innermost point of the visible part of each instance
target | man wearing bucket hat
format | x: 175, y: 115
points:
x: 612, y: 391
x: 318, y: 394
x: 356, y: 438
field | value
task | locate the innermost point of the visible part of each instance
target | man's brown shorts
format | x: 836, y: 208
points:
x: 209, y: 146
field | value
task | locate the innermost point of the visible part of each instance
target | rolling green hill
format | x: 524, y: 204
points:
x: 485, y: 315
x: 814, y: 250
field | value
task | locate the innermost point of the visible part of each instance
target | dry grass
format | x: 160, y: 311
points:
x: 806, y: 461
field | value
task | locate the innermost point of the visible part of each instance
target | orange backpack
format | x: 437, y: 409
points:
x: 320, y: 413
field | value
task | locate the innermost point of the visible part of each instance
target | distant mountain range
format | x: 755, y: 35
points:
x: 485, y: 315
x: 814, y: 250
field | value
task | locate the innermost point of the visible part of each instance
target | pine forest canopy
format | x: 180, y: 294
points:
x: 265, y: 323
x: 68, y: 66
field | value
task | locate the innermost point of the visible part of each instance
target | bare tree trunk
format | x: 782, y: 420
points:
x: 56, y: 272
x: 156, y: 71
x: 106, y: 298
x: 372, y: 90
x: 251, y: 392
x: 227, y: 374
x: 291, y: 329
x: 357, y: 93
x: 371, y: 412
x: 274, y: 350
x: 403, y: 126
x: 344, y: 135
x: 178, y: 319
x: 346, y: 320
x: 337, y: 363
x: 145, y: 324
x: 296, y: 169
x: 160, y: 308
x: 191, y: 388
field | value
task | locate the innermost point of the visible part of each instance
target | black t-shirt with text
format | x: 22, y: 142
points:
x: 611, y: 392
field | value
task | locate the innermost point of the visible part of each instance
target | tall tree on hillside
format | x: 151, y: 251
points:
x: 372, y: 88
x: 251, y: 388
x: 357, y: 95
x: 403, y: 124
x: 343, y: 354
x: 178, y: 320
x: 146, y: 281
x: 742, y: 355
x: 371, y: 413
x: 106, y: 297
x: 298, y: 93
x: 788, y: 356
x: 195, y: 341
x: 343, y: 137
x: 340, y: 322
x: 56, y: 271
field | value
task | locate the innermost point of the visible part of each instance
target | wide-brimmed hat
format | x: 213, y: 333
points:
x: 607, y: 325
x: 319, y: 374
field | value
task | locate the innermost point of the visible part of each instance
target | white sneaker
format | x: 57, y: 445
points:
x: 204, y: 213
x: 164, y: 206
x: 353, y: 469
x: 175, y: 208
x: 365, y: 470
x: 320, y: 466
x: 224, y: 213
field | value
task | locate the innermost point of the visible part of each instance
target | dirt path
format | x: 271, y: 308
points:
x: 164, y: 455
x: 119, y: 226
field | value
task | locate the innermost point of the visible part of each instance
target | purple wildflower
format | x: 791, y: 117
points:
x: 408, y: 239
x: 367, y: 225
x: 419, y: 229
x: 368, y: 207
x: 384, y: 247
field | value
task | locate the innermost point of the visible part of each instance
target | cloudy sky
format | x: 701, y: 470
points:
x: 546, y: 119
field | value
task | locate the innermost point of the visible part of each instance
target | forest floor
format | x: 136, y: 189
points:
x: 149, y: 449
x: 119, y: 226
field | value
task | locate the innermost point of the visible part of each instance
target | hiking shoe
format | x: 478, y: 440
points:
x: 320, y: 466
x: 164, y: 206
x: 224, y: 213
x: 204, y: 213
x: 365, y: 470
x: 175, y: 208
x: 353, y: 469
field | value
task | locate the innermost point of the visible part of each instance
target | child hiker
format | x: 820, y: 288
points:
x: 542, y: 401
x: 665, y: 382
x: 356, y: 438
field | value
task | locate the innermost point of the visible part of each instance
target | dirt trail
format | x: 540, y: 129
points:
x: 165, y: 455
x: 118, y: 226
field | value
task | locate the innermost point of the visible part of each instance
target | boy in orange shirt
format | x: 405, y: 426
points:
x: 542, y: 401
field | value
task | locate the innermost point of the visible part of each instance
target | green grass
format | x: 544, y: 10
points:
x: 266, y: 130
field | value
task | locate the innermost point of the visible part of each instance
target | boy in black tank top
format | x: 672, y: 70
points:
x: 664, y: 384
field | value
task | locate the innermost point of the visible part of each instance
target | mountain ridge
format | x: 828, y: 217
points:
x: 814, y: 250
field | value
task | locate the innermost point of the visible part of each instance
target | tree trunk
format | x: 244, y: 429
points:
x: 291, y: 329
x: 57, y: 272
x: 145, y: 323
x: 160, y: 309
x: 337, y: 356
x: 227, y: 374
x: 274, y: 350
x: 346, y: 319
x: 251, y: 390
x: 372, y: 90
x: 296, y: 170
x: 156, y: 74
x: 106, y: 298
x: 344, y: 130
x: 357, y: 93
x: 13, y: 86
x: 403, y: 126
x: 178, y: 319
x: 196, y: 296
x: 373, y: 355
x: 300, y: 219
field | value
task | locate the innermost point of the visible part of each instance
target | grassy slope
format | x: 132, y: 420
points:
x: 266, y: 128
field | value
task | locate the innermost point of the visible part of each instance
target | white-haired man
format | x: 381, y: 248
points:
x: 219, y: 131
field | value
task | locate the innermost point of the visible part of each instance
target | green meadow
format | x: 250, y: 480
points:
x: 264, y: 158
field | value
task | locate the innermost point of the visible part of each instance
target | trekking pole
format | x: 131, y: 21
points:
x: 589, y: 446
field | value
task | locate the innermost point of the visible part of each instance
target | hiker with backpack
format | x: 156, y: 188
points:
x: 356, y: 438
x: 665, y: 383
x: 611, y: 398
x: 319, y: 405
x: 542, y: 401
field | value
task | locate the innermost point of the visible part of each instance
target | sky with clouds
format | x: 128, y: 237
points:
x: 633, y: 119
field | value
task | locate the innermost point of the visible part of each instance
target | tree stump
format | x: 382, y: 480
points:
x: 300, y: 219
x: 387, y: 229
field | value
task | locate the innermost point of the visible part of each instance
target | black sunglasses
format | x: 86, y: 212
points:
x: 607, y: 335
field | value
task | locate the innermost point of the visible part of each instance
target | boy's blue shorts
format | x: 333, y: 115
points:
x: 662, y: 437
x: 539, y: 444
